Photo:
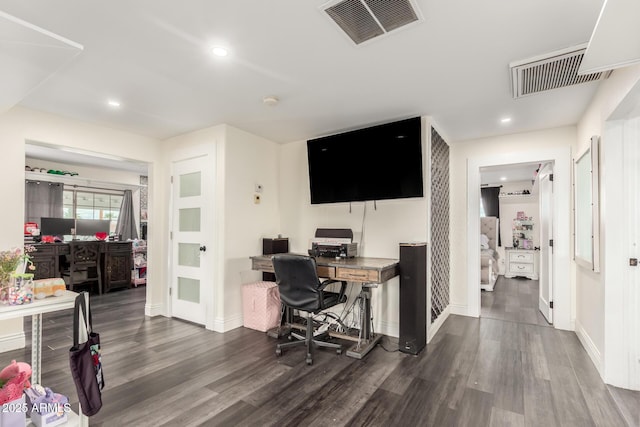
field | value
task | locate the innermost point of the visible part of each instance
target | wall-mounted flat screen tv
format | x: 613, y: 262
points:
x: 376, y: 163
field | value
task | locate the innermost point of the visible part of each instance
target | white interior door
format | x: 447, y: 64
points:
x: 191, y: 278
x: 545, y: 302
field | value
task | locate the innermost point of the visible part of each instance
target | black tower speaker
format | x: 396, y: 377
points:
x: 413, y: 297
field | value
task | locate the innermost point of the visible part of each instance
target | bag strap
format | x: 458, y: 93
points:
x: 81, y: 307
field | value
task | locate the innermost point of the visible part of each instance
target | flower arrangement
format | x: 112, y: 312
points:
x: 15, y: 261
x: 16, y: 286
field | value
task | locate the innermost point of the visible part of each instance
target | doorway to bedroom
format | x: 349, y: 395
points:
x: 515, y: 234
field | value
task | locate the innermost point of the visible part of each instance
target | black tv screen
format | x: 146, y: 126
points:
x: 375, y: 163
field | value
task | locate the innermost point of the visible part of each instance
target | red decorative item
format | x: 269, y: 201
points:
x: 47, y: 239
x: 101, y: 235
x: 29, y: 227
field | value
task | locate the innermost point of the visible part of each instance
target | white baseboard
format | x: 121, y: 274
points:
x: 458, y: 309
x: 589, y: 347
x: 225, y: 324
x: 153, y: 310
x: 12, y: 341
x: 390, y: 329
x: 435, y: 326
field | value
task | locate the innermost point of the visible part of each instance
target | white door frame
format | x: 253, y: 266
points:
x: 563, y: 294
x: 211, y: 294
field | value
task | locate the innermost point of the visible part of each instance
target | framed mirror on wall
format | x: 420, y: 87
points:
x: 586, y: 188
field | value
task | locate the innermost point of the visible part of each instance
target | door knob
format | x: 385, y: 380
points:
x: 203, y: 248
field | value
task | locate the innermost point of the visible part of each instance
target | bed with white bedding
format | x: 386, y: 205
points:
x: 489, y: 256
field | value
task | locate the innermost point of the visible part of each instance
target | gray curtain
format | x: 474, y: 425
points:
x: 42, y: 199
x: 126, y: 226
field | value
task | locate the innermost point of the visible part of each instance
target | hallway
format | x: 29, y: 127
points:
x: 515, y: 300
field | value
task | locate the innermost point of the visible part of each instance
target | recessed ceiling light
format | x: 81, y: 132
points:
x: 505, y: 120
x: 113, y: 103
x: 503, y: 178
x: 270, y: 100
x: 219, y: 51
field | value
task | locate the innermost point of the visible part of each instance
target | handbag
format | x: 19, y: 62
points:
x: 85, y: 360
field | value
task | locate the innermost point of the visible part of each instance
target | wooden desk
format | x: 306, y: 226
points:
x: 366, y: 271
x: 116, y: 262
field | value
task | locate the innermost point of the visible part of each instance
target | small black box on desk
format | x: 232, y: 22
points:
x: 278, y: 245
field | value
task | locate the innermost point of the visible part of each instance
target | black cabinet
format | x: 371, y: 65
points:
x: 116, y: 265
x: 46, y: 259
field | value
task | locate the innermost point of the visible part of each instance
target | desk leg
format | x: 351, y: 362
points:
x: 369, y: 339
x: 36, y: 348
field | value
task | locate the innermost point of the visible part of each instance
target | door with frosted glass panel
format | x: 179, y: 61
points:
x: 191, y: 280
x: 545, y: 291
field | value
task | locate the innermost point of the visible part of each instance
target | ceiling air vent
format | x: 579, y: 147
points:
x: 551, y: 71
x: 364, y: 20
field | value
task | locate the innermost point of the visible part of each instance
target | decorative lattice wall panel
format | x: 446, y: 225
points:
x: 144, y: 203
x: 439, y: 225
x: 144, y: 197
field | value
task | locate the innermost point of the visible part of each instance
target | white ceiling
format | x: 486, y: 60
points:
x: 154, y: 57
x: 29, y: 56
x: 510, y: 173
x: 39, y: 151
x: 617, y: 26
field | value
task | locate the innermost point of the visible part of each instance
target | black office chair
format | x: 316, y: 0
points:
x: 301, y: 289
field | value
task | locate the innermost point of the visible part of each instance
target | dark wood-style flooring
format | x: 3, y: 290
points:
x: 475, y: 372
x: 515, y: 300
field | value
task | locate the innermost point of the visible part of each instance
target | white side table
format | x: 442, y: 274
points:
x: 36, y: 309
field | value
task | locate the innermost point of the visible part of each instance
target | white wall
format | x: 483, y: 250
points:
x: 249, y: 160
x: 499, y: 150
x: 19, y: 125
x: 394, y: 222
x: 598, y: 309
x: 242, y: 160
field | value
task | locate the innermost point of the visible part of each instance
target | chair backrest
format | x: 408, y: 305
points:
x: 85, y: 252
x: 298, y: 281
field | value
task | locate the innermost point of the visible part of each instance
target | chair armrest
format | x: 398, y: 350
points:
x: 342, y: 297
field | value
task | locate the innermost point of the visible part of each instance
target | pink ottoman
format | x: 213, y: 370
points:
x: 261, y: 305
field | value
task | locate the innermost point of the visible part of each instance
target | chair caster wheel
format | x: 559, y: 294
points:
x: 309, y: 361
x: 339, y: 351
x: 278, y: 352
